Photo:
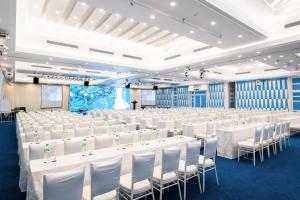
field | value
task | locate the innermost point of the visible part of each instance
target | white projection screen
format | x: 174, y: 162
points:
x: 148, y: 97
x: 52, y: 96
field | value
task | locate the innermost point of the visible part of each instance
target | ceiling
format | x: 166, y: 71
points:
x: 149, y: 41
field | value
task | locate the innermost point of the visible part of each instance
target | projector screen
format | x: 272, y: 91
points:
x: 51, y: 96
x: 148, y: 97
x: 98, y: 97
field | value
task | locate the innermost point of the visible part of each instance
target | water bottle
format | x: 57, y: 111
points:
x: 84, y: 146
x: 46, y: 152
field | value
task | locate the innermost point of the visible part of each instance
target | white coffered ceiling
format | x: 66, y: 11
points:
x: 149, y: 39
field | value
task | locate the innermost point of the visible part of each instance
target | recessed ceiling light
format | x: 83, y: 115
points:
x: 265, y: 58
x: 86, y: 63
x: 152, y: 17
x: 219, y: 42
x: 239, y: 56
x: 281, y: 56
x: 240, y: 36
x: 4, y: 58
x: 154, y: 38
x: 101, y: 10
x: 251, y: 59
x: 92, y: 21
x: 143, y: 36
x: 155, y: 27
x: 299, y: 64
x: 119, y: 29
x: 144, y: 24
x: 291, y: 61
x: 276, y: 63
x: 172, y: 3
x: 192, y: 32
x: 284, y: 66
x: 83, y: 4
x: 132, y: 32
x: 50, y: 58
x: 106, y: 25
x: 269, y: 56
x: 75, y: 17
x: 36, y: 7
x: 47, y: 63
x: 131, y: 20
x: 203, y: 63
x: 213, y: 23
x: 258, y: 52
x: 57, y: 12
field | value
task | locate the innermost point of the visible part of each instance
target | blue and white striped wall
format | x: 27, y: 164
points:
x: 216, y: 95
x: 269, y: 94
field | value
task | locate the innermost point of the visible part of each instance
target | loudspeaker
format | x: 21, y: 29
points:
x: 155, y: 87
x: 86, y: 83
x: 36, y: 80
x: 127, y: 85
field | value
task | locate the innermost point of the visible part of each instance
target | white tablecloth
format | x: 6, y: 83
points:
x: 192, y: 129
x: 228, y: 139
x: 38, y: 168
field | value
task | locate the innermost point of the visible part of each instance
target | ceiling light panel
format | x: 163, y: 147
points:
x: 110, y: 23
x: 148, y: 33
x: 56, y: 9
x: 93, y: 20
x: 78, y: 14
x: 156, y: 37
x: 36, y: 7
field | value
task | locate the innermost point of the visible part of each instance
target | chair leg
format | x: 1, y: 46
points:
x: 238, y: 154
x: 160, y: 191
x: 153, y: 197
x: 199, y: 182
x: 184, y: 188
x: 288, y: 139
x: 216, y: 173
x: 261, y: 154
x: 179, y: 190
x: 203, y: 180
x: 253, y: 157
x: 268, y: 151
x: 274, y: 148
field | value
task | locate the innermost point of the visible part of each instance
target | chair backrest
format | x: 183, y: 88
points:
x: 110, y: 171
x: 142, y: 166
x: 99, y: 130
x: 131, y: 127
x: 265, y: 133
x: 116, y: 128
x: 178, y: 124
x: 278, y: 128
x: 66, y: 185
x: 257, y: 136
x: 210, y: 147
x: 170, y: 160
x: 5, y: 105
x: 271, y: 132
x: 192, y: 153
x: 84, y: 124
x: 210, y: 128
x: 36, y: 151
x: 99, y: 123
x: 72, y: 146
x: 68, y: 126
x: 83, y: 131
x: 104, y: 141
x: 125, y: 138
x: 56, y: 134
x: 147, y: 135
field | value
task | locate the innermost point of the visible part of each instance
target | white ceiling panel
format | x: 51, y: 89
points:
x: 56, y: 9
x: 135, y: 31
x: 78, y: 14
x: 148, y: 33
x: 36, y: 7
x: 110, y: 23
x: 124, y: 27
x: 94, y: 19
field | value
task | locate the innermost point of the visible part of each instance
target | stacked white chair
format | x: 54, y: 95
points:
x: 66, y: 185
x: 137, y: 184
x: 165, y: 175
x: 207, y: 162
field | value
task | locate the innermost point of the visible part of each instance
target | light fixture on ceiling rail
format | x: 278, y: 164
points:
x: 187, y: 70
x: 202, y: 73
x: 175, y: 18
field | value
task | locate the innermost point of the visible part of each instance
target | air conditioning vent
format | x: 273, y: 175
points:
x: 69, y: 69
x: 62, y: 44
x: 132, y: 57
x: 172, y: 57
x: 272, y: 69
x: 241, y: 73
x: 41, y: 67
x: 217, y: 72
x: 167, y: 79
x: 102, y: 51
x: 94, y: 72
x: 156, y: 78
x: 201, y: 49
x: 292, y: 24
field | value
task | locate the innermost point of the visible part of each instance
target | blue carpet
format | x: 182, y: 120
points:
x: 275, y: 178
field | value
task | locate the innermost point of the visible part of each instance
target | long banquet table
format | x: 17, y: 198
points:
x: 228, y: 138
x: 38, y: 168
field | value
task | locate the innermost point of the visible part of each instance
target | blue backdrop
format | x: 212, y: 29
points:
x: 98, y: 97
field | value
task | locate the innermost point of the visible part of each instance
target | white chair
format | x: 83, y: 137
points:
x: 265, y: 142
x: 84, y: 124
x: 66, y: 185
x: 72, y: 146
x: 287, y: 133
x: 105, y: 180
x: 271, y: 137
x: 188, y: 168
x: 137, y: 184
x: 82, y: 131
x: 207, y: 162
x: 99, y: 123
x: 36, y: 151
x: 116, y: 128
x: 130, y: 127
x: 99, y: 130
x: 104, y: 141
x: 277, y: 138
x: 56, y: 134
x: 165, y: 175
x: 210, y: 129
x: 251, y: 146
x: 68, y: 126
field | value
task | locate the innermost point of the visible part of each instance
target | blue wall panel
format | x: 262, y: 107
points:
x: 216, y: 95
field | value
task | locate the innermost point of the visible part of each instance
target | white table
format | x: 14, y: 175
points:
x: 38, y: 168
x: 294, y: 122
x: 228, y: 138
x: 192, y: 129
